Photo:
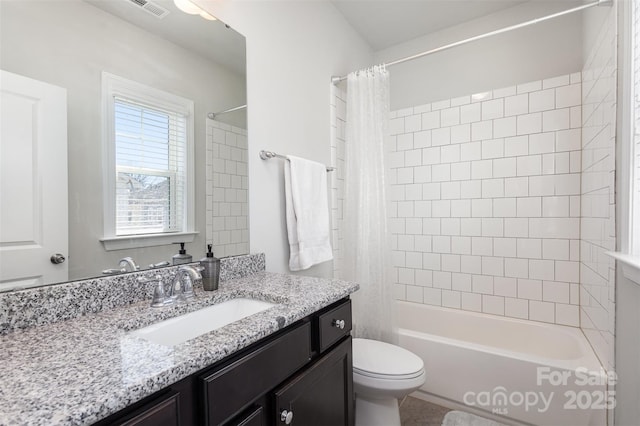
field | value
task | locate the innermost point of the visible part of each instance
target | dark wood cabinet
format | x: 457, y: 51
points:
x: 305, y: 369
x: 163, y: 411
x: 227, y: 391
x: 332, y: 325
x: 321, y: 395
x: 255, y: 416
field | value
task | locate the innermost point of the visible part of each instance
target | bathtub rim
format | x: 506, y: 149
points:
x: 588, y: 359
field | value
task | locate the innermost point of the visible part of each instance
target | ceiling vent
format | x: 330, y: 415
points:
x: 150, y: 7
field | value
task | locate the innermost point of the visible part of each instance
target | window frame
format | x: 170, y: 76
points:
x: 115, y: 86
x: 628, y: 205
x: 627, y: 226
x: 634, y: 143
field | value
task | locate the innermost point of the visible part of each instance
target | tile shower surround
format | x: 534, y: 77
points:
x: 31, y: 307
x: 338, y: 116
x: 506, y: 204
x: 227, y: 189
x: 598, y: 225
x: 485, y: 200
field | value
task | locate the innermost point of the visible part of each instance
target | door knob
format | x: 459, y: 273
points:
x: 286, y: 417
x: 338, y: 324
x: 57, y: 258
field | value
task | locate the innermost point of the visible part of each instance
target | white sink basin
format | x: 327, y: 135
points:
x: 178, y: 330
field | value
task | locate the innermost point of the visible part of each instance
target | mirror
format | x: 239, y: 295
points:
x: 69, y: 44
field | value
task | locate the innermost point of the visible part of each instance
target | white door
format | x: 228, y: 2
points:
x: 33, y: 182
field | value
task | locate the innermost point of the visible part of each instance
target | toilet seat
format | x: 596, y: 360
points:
x: 388, y: 376
x: 381, y: 360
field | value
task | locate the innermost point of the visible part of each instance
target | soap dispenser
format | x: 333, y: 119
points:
x: 211, y: 271
x: 182, y: 256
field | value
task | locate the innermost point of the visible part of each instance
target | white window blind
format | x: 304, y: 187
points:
x: 150, y: 168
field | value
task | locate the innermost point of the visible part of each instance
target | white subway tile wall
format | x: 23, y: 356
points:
x: 227, y: 189
x: 597, y: 270
x: 488, y: 216
x: 485, y: 206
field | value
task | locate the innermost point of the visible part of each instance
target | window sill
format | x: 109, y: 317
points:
x: 138, y: 241
x: 630, y: 265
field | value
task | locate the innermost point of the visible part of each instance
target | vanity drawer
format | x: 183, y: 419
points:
x: 333, y: 325
x: 231, y: 389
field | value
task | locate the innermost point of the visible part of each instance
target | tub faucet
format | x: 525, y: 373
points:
x: 183, y: 281
x: 128, y: 264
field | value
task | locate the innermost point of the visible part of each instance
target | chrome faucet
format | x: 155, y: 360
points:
x: 113, y: 271
x: 128, y: 264
x: 183, y: 281
x: 159, y: 265
x: 180, y: 290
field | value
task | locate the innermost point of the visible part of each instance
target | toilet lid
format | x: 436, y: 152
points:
x: 380, y: 359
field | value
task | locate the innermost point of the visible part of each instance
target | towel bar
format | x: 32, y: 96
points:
x: 266, y: 155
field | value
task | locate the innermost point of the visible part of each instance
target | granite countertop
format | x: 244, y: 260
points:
x: 82, y: 370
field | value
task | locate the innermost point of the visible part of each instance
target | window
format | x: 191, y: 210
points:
x: 149, y: 164
x: 150, y: 169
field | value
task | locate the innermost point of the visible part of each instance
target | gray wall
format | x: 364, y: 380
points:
x: 69, y: 44
x: 534, y: 53
x: 293, y: 49
x: 627, y: 350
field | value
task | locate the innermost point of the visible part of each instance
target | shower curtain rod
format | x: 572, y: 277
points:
x: 336, y: 80
x: 212, y: 115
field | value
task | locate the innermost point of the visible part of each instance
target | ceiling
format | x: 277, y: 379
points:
x: 210, y: 39
x: 385, y: 23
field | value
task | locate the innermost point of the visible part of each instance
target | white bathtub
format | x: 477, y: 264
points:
x: 524, y: 371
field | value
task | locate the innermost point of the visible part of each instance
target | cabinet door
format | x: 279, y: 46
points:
x: 252, y: 417
x: 321, y: 395
x: 229, y: 390
x: 161, y: 412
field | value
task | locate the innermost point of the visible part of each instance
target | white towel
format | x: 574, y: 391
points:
x: 307, y: 212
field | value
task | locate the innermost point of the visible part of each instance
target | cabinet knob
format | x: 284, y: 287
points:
x: 286, y: 417
x: 338, y: 324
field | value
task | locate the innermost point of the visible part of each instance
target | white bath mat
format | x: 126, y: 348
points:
x: 459, y: 418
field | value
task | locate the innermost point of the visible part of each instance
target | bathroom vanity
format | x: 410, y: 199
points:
x: 299, y: 375
x: 289, y: 363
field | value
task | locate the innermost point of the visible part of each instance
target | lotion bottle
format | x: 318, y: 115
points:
x: 211, y: 271
x: 182, y: 256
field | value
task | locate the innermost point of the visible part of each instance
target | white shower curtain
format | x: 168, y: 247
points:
x: 367, y: 254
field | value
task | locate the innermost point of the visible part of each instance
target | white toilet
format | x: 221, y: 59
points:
x: 382, y: 374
